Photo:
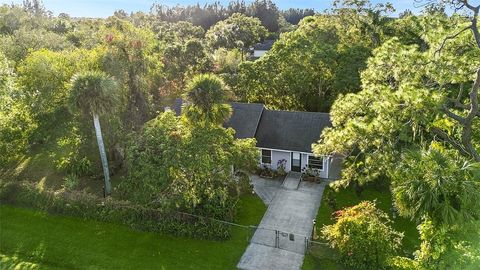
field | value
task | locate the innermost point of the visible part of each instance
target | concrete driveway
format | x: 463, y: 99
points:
x: 279, y: 241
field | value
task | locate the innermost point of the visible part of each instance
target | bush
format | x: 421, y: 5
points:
x: 281, y: 167
x: 70, y: 182
x: 266, y: 171
x: 87, y: 206
x: 363, y: 236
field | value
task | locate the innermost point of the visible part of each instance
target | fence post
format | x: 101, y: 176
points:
x: 277, y: 240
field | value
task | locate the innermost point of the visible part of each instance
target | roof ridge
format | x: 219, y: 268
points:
x: 266, y: 109
x: 254, y: 103
x: 298, y: 112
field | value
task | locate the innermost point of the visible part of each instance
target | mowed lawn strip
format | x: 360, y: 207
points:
x: 323, y: 257
x: 56, y: 242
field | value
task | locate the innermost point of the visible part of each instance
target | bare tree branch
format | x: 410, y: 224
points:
x: 445, y: 137
x: 465, y: 145
x: 467, y: 126
x: 452, y: 115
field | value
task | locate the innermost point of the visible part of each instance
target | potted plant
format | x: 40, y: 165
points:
x: 266, y: 172
x: 309, y: 174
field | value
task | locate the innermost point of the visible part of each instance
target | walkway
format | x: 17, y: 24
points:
x: 290, y: 212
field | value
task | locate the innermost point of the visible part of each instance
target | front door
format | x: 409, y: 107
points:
x: 296, y: 162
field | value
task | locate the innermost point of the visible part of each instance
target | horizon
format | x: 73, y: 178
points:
x: 106, y: 8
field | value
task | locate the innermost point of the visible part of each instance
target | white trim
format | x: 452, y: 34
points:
x: 280, y: 150
x: 289, y: 151
x: 328, y: 166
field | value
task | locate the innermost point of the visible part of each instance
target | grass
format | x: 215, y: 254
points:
x: 34, y: 240
x: 321, y: 257
x: 38, y: 167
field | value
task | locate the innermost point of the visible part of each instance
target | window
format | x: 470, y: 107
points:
x: 315, y: 163
x: 266, y: 156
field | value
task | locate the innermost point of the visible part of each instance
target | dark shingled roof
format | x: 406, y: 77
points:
x: 284, y: 130
x: 245, y: 118
x: 264, y: 46
x: 294, y: 131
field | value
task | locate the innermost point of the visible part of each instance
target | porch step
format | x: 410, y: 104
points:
x: 292, y: 180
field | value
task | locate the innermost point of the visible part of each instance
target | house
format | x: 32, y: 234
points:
x: 260, y: 49
x: 283, y: 137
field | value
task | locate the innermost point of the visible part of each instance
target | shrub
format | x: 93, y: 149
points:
x: 363, y: 236
x: 281, y: 167
x: 70, y: 182
x: 88, y: 206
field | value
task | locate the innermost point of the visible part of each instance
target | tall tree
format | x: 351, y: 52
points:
x: 132, y: 58
x: 464, y: 110
x: 96, y: 94
x: 371, y: 20
x: 306, y: 69
x: 268, y: 13
x: 207, y: 95
x: 237, y: 31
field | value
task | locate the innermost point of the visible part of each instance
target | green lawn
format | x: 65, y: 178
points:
x: 323, y: 258
x: 35, y: 240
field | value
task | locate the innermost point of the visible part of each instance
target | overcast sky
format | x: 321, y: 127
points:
x: 105, y: 8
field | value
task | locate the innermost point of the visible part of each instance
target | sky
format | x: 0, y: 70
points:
x: 105, y: 8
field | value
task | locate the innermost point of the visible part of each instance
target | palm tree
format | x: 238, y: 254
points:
x: 94, y: 93
x: 433, y: 184
x: 207, y: 94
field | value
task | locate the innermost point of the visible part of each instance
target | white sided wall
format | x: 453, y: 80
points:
x: 279, y: 155
x: 259, y: 53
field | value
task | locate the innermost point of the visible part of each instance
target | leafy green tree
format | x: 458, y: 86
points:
x: 448, y: 247
x: 16, y: 123
x: 369, y: 19
x: 237, y: 31
x: 177, y: 32
x: 132, y: 58
x: 186, y: 162
x: 182, y: 61
x: 95, y: 94
x: 363, y: 236
x: 306, y: 69
x: 175, y: 164
x: 179, y: 165
x: 413, y: 97
x: 295, y: 15
x: 44, y: 76
x: 17, y: 46
x: 371, y: 131
x: 207, y: 94
x: 268, y: 13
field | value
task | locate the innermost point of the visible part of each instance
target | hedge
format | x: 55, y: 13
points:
x: 88, y: 206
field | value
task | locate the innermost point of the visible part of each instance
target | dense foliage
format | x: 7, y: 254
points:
x: 363, y: 236
x: 237, y: 31
x: 16, y: 123
x: 414, y: 126
x: 306, y: 69
x: 188, y: 162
